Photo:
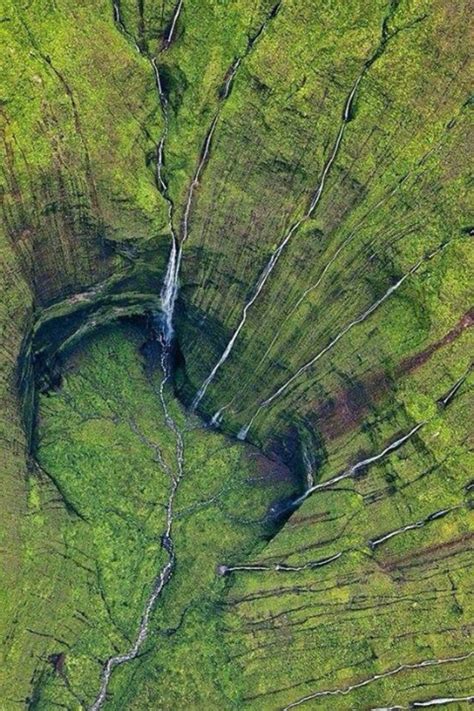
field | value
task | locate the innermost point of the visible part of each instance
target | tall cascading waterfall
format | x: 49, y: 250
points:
x: 168, y: 299
x: 169, y: 292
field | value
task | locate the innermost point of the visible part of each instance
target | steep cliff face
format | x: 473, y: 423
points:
x: 309, y: 164
x: 383, y: 205
x: 78, y: 120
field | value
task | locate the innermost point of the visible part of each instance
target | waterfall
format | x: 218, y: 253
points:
x: 173, y: 23
x: 276, y: 254
x: 169, y: 292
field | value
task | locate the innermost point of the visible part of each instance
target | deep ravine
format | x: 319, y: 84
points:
x: 164, y: 323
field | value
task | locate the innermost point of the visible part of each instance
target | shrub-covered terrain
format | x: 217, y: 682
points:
x: 104, y: 444
x: 301, y: 172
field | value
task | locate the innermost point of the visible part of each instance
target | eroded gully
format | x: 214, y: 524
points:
x: 361, y: 466
x: 164, y: 334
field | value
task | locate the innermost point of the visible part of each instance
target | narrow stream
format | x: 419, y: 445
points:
x: 233, y: 69
x: 343, y: 691
x: 167, y: 545
x: 165, y: 334
x: 352, y: 471
x: 374, y: 542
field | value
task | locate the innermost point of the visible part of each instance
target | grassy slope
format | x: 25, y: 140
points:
x: 69, y: 182
x: 407, y: 601
x: 401, y: 127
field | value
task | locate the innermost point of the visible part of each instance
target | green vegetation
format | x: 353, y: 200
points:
x: 104, y: 445
x: 360, y: 337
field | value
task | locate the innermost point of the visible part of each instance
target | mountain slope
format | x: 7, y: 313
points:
x: 312, y: 160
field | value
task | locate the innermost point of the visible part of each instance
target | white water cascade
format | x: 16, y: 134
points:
x: 169, y: 292
x: 168, y: 298
x: 275, y: 256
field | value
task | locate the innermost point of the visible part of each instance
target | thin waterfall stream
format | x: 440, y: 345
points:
x: 275, y: 256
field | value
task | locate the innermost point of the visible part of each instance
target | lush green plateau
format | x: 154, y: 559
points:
x: 269, y: 471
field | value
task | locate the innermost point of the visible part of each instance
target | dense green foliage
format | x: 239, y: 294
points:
x: 104, y: 443
x: 359, y: 338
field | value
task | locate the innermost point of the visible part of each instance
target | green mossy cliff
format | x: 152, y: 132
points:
x: 351, y: 363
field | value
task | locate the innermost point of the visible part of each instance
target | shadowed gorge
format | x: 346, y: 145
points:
x: 236, y: 355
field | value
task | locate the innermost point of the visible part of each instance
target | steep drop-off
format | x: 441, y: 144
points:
x: 284, y: 187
